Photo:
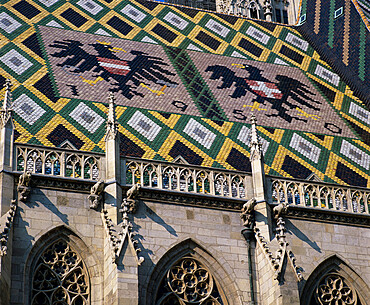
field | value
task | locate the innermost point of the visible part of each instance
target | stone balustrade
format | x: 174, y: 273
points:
x: 187, y: 178
x: 57, y: 162
x: 320, y: 195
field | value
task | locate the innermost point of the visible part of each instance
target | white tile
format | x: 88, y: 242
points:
x: 148, y: 39
x: 86, y: 117
x: 48, y: 3
x: 54, y: 24
x: 200, y: 133
x: 355, y: 154
x: 176, y: 21
x: 133, y: 13
x: 258, y: 35
x: 278, y: 61
x: 144, y: 125
x: 305, y: 147
x: 237, y: 54
x: 27, y: 109
x: 8, y: 23
x: 298, y: 42
x: 15, y: 61
x: 327, y: 75
x: 90, y: 6
x: 102, y: 32
x: 217, y: 28
x: 193, y: 48
x: 360, y: 113
x: 245, y: 137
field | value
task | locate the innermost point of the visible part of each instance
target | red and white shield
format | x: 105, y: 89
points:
x: 114, y: 66
x: 265, y: 89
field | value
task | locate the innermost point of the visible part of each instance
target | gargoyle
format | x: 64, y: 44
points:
x: 95, y: 196
x: 247, y: 212
x: 280, y: 210
x: 132, y: 194
x: 24, y: 188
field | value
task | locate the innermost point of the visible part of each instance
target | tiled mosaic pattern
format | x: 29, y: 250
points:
x: 343, y: 40
x: 205, y: 134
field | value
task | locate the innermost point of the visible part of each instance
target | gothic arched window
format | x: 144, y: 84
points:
x: 188, y: 282
x: 59, y: 277
x: 333, y: 289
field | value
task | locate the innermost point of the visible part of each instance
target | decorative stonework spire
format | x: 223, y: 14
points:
x: 111, y: 121
x: 6, y: 111
x: 267, y: 9
x: 255, y: 143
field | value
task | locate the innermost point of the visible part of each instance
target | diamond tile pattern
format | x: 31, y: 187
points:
x: 201, y: 126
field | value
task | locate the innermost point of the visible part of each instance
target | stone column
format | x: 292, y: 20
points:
x: 263, y: 213
x: 113, y: 191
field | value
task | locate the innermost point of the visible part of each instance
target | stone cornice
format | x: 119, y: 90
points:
x: 353, y: 219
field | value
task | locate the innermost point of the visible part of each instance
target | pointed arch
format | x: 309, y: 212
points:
x: 83, y: 271
x: 189, y: 251
x: 335, y: 271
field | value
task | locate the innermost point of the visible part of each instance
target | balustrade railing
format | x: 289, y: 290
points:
x: 58, y: 162
x: 320, y: 195
x: 187, y: 178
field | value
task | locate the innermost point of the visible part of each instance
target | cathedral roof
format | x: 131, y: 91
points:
x: 186, y: 82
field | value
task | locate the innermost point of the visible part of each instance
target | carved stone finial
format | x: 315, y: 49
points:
x: 131, y: 198
x: 247, y: 212
x: 8, y: 95
x: 6, y: 112
x: 255, y: 143
x: 23, y: 187
x: 4, y: 235
x: 96, y: 195
x: 111, y: 121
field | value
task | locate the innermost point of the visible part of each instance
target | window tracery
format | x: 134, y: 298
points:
x: 332, y: 289
x: 188, y: 282
x: 59, y: 277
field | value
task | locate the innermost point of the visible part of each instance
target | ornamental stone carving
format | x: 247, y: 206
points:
x: 188, y: 282
x: 59, y: 277
x: 131, y: 198
x: 247, y: 212
x: 332, y: 290
x: 96, y: 193
x: 23, y: 187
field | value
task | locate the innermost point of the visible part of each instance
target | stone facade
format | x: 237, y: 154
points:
x: 253, y: 249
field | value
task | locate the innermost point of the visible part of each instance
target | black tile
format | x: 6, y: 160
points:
x: 16, y: 134
x: 73, y: 17
x: 219, y: 123
x: 349, y: 176
x: 179, y: 149
x: 129, y: 148
x: 166, y: 115
x: 238, y: 160
x: 120, y: 25
x: 208, y: 40
x: 44, y: 85
x: 2, y: 82
x: 320, y: 136
x: 188, y: 11
x: 250, y: 47
x: 330, y: 94
x: 26, y: 9
x: 33, y: 44
x: 267, y: 25
x: 165, y: 33
x: 295, y: 169
x: 293, y: 55
x: 148, y: 4
x: 230, y: 19
x: 270, y: 130
x: 60, y: 134
x: 364, y: 135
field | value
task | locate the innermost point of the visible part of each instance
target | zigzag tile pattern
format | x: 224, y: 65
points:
x: 341, y: 36
x: 250, y: 63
